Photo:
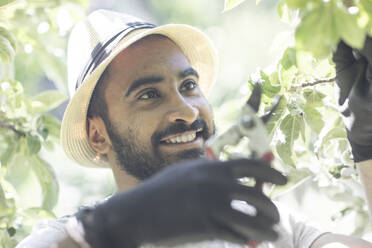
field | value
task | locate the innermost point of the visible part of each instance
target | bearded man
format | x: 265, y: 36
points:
x: 139, y: 108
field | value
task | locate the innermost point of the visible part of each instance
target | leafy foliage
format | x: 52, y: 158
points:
x: 307, y: 132
x: 230, y: 4
x: 32, y: 41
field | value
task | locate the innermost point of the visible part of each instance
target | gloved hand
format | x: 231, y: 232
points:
x: 354, y: 80
x: 186, y: 202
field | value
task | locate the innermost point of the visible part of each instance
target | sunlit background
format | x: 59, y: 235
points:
x: 248, y: 37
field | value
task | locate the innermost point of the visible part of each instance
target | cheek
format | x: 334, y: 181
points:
x: 143, y: 125
x: 206, y: 111
x: 136, y: 125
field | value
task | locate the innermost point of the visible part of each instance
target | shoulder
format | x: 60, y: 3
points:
x: 45, y: 233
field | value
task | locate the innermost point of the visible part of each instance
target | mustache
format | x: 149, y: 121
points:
x: 181, y: 127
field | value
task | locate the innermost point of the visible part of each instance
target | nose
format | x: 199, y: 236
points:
x: 182, y: 111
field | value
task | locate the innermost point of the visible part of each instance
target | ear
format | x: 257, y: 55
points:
x: 98, y: 136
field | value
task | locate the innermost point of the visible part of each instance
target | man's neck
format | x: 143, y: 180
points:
x: 126, y: 183
x: 123, y: 180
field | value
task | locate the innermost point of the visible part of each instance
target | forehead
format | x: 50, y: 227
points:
x: 148, y: 55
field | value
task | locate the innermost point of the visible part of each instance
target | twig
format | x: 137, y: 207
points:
x: 348, y: 3
x: 320, y: 81
x: 10, y: 127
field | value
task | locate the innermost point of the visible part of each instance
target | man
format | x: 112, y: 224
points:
x: 139, y: 108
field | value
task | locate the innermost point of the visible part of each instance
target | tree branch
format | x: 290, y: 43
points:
x: 320, y: 81
x: 10, y: 127
x: 348, y: 3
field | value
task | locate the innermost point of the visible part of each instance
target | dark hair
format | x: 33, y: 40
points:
x: 97, y: 105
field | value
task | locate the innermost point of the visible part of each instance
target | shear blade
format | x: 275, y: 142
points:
x: 255, y: 98
x: 266, y: 117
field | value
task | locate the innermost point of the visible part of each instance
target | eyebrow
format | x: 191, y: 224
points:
x: 143, y: 81
x: 188, y: 72
x: 157, y: 79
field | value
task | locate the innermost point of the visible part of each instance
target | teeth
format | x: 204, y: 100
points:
x: 181, y: 139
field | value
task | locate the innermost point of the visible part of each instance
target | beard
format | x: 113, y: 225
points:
x: 143, y: 163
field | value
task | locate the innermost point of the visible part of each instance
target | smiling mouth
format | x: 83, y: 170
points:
x: 186, y: 137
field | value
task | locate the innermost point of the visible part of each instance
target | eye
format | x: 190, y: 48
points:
x: 189, y: 85
x: 149, y: 94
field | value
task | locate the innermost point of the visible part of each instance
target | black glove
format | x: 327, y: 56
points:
x: 354, y: 80
x: 186, y: 202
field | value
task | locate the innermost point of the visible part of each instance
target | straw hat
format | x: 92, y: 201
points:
x: 93, y: 44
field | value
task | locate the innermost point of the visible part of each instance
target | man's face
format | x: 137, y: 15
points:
x: 157, y: 114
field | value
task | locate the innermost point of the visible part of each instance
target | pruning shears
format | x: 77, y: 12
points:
x: 251, y: 126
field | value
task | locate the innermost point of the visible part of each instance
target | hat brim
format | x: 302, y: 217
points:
x: 195, y: 45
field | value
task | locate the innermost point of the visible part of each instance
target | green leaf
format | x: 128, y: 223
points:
x: 348, y: 27
x: 38, y: 213
x: 283, y: 11
x: 43, y: 131
x: 230, y: 4
x: 369, y: 29
x: 6, y: 34
x: 367, y: 5
x: 33, y: 144
x: 287, y: 77
x: 289, y: 58
x: 335, y: 171
x: 268, y: 89
x: 274, y: 120
x: 308, y: 65
x: 295, y: 4
x: 274, y: 78
x: 285, y: 153
x: 291, y: 126
x: 47, y: 180
x: 317, y: 32
x: 7, y: 52
x: 46, y: 101
x: 335, y: 134
x: 4, y: 2
x: 295, y: 178
x: 52, y: 124
x: 33, y: 215
x: 17, y: 170
x: 7, y: 154
x: 5, y: 240
x: 313, y: 118
x: 314, y: 97
x: 5, y: 208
